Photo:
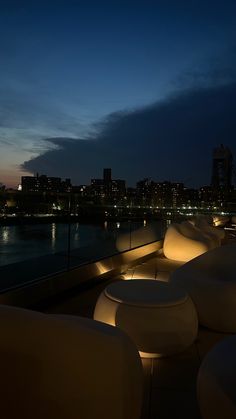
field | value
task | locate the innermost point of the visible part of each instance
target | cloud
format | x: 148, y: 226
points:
x: 27, y: 114
x: 172, y: 140
x: 219, y: 70
x: 5, y: 142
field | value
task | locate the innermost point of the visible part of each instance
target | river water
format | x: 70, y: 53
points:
x: 23, y: 242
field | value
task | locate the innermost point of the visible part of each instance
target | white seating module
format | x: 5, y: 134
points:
x: 184, y: 242
x: 159, y: 317
x: 210, y: 280
x: 66, y: 367
x: 205, y: 224
x: 216, y: 384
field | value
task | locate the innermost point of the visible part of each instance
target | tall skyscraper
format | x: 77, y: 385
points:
x: 222, y: 168
x: 107, y: 175
x: 108, y: 188
x: 107, y: 182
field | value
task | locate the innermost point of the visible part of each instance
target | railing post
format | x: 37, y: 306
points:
x: 130, y: 238
x: 69, y: 234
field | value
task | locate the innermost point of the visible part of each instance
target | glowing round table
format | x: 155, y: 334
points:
x: 159, y: 317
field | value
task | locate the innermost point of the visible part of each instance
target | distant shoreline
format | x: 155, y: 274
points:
x: 94, y: 219
x: 100, y: 217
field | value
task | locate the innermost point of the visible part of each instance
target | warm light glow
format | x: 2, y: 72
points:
x: 143, y: 276
x: 148, y: 355
x: 127, y: 276
x: 220, y: 220
x: 104, y: 313
x: 102, y: 268
x: 184, y: 242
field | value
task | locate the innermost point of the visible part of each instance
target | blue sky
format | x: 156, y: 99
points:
x: 67, y: 66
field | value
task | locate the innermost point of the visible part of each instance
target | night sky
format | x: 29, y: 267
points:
x: 147, y: 88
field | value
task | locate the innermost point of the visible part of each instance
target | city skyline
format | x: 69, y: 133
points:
x: 148, y: 90
x: 222, y: 174
x: 41, y: 194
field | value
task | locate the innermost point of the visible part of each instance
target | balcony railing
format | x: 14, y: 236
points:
x: 32, y: 252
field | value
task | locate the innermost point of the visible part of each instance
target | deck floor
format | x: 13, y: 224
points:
x: 169, y: 383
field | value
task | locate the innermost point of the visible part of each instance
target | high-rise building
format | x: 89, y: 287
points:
x: 107, y: 182
x: 162, y: 194
x: 107, y: 175
x: 222, y: 168
x: 108, y: 188
x: 44, y: 183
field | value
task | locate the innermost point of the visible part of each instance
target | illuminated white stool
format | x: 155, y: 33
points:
x: 159, y: 317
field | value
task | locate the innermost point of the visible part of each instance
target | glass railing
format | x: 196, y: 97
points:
x: 29, y: 252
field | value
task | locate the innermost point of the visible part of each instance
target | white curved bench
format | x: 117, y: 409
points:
x: 210, y: 280
x: 216, y: 384
x: 184, y: 242
x: 66, y: 367
x: 204, y: 224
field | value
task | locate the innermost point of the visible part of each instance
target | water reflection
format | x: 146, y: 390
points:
x: 6, y: 235
x: 76, y: 234
x: 22, y: 242
x: 53, y: 231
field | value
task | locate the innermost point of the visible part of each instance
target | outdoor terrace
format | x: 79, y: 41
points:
x: 169, y: 382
